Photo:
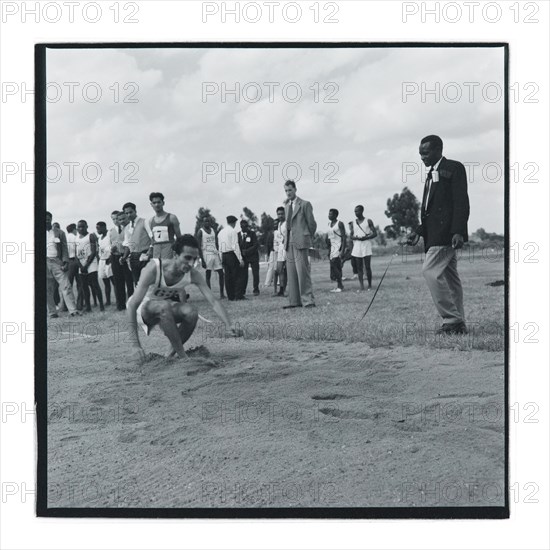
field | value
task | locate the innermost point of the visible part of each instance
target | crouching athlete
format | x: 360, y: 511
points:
x: 160, y: 299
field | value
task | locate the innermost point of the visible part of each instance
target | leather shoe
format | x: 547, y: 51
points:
x: 453, y: 328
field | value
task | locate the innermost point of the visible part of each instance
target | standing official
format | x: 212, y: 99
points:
x: 57, y: 264
x: 232, y: 260
x: 444, y: 228
x: 136, y: 241
x: 251, y: 257
x: 124, y: 282
x: 300, y: 230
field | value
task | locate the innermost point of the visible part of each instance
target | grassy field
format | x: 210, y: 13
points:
x: 402, y: 313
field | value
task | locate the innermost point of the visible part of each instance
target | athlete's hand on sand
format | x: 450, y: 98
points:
x: 138, y: 356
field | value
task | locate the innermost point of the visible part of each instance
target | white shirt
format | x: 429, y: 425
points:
x: 434, y: 169
x: 335, y: 239
x: 104, y: 244
x: 361, y: 248
x: 51, y: 244
x: 71, y: 245
x: 228, y: 241
x: 279, y: 237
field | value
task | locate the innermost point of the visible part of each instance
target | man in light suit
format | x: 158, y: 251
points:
x: 300, y: 229
x: 444, y: 227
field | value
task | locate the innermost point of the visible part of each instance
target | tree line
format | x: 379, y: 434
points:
x: 403, y: 210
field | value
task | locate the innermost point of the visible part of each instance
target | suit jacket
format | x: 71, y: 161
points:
x: 448, y: 207
x: 302, y: 225
x: 249, y: 249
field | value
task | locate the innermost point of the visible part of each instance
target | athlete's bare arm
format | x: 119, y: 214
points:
x: 176, y: 223
x: 200, y: 282
x: 147, y: 278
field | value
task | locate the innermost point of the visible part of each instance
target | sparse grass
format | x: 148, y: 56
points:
x: 402, y: 314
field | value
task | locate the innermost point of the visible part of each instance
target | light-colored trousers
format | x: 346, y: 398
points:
x: 55, y: 272
x: 298, y: 271
x: 271, y: 264
x: 441, y: 274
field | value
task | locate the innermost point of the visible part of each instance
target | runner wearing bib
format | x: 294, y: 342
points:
x: 209, y: 254
x: 86, y: 252
x: 163, y: 229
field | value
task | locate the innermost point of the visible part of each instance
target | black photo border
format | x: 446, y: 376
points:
x: 40, y: 317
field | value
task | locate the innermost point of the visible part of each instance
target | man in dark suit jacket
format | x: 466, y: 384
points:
x: 248, y: 241
x: 300, y: 229
x: 444, y: 228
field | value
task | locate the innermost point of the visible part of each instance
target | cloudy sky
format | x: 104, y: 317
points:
x: 163, y: 123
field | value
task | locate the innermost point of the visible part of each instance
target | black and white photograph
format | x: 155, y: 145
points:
x: 274, y: 279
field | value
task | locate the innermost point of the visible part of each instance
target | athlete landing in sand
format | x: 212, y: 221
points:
x: 160, y: 299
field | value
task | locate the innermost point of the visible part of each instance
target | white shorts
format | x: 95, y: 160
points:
x: 104, y: 270
x: 141, y: 323
x: 213, y: 262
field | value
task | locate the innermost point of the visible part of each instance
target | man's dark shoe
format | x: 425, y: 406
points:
x: 256, y: 292
x: 452, y: 328
x: 291, y: 306
x: 54, y: 316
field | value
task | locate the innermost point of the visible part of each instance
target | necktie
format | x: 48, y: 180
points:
x: 289, y: 222
x: 427, y: 188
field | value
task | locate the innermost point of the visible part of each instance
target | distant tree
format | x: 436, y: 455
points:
x: 320, y: 241
x: 267, y: 224
x: 380, y: 239
x: 202, y: 214
x: 403, y: 210
x: 252, y: 219
x: 481, y: 234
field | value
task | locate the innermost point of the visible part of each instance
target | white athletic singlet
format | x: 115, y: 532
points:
x: 361, y: 248
x: 209, y: 242
x: 335, y: 238
x: 83, y: 250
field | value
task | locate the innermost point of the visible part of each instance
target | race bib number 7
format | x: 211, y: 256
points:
x: 160, y: 233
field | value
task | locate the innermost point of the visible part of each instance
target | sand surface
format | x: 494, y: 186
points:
x: 259, y: 423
